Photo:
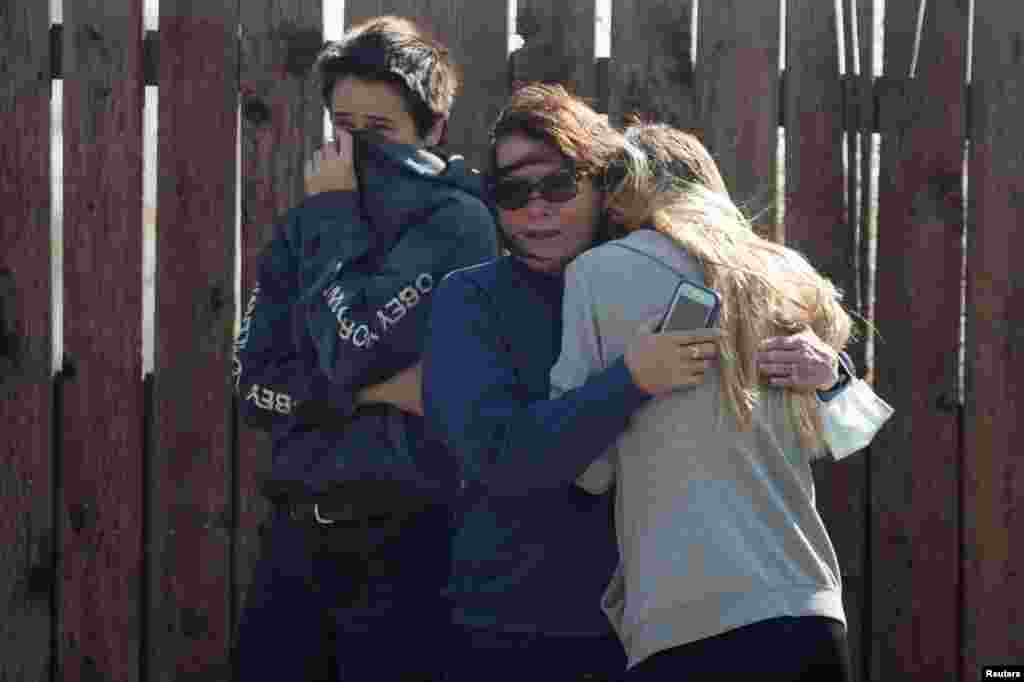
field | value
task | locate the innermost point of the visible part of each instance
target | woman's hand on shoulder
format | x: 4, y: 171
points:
x: 663, y: 362
x: 800, y: 361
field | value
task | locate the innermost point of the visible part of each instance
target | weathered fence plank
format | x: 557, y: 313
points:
x: 651, y: 65
x: 862, y: 187
x: 101, y: 472
x: 737, y: 77
x: 559, y: 45
x: 26, y: 493
x: 282, y: 121
x: 815, y: 224
x: 915, y: 467
x: 994, y: 475
x: 476, y: 31
x: 190, y: 484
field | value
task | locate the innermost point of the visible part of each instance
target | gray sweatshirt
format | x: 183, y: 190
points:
x: 716, y: 526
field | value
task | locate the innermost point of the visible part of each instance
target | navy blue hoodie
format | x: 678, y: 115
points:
x: 534, y: 552
x: 341, y: 301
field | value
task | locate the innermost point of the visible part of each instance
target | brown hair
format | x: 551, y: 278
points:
x: 395, y: 50
x: 548, y: 113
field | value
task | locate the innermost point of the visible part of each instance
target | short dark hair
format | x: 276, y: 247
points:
x: 395, y: 50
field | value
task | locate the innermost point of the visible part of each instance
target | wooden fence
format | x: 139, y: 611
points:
x: 130, y: 517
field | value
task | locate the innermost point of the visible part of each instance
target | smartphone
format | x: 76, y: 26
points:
x: 693, y: 306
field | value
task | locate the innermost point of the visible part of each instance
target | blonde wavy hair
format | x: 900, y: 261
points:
x: 767, y: 289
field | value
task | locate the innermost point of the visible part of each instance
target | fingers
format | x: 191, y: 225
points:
x: 691, y: 380
x: 698, y: 352
x: 784, y: 382
x: 783, y: 343
x: 340, y: 146
x: 776, y: 357
x: 778, y: 369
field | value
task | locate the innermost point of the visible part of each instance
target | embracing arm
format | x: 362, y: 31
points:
x: 404, y: 391
x: 274, y: 381
x: 366, y: 327
x: 505, y: 438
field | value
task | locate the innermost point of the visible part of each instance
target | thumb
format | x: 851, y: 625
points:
x: 649, y: 326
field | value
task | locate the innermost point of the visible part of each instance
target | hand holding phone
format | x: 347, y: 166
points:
x: 693, y: 306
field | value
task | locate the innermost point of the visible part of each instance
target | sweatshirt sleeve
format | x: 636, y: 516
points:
x: 274, y: 381
x: 367, y: 326
x: 474, y: 401
x: 581, y: 357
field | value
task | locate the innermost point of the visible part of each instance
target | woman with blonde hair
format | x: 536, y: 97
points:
x: 725, y: 564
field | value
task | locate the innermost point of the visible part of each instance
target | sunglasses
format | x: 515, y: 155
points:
x: 512, y: 193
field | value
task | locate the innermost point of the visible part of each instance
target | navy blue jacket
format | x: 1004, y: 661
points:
x: 341, y: 301
x: 534, y: 552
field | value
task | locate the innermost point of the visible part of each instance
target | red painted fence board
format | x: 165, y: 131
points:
x: 282, y: 120
x: 559, y: 45
x: 651, y: 67
x: 915, y: 463
x: 737, y: 75
x: 994, y: 474
x: 816, y: 224
x: 190, y: 485
x: 100, y: 503
x: 26, y: 525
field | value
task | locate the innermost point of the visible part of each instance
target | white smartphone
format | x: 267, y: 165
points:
x: 693, y: 306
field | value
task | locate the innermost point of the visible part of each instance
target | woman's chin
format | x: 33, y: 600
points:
x: 544, y: 262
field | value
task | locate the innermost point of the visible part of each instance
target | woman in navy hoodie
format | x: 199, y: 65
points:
x: 534, y: 552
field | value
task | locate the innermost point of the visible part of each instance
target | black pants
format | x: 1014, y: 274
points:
x: 480, y: 655
x: 808, y: 648
x: 316, y: 613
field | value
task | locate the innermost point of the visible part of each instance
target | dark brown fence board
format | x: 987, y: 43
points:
x: 861, y: 109
x: 737, y: 76
x: 282, y: 121
x: 651, y: 70
x: 476, y: 31
x: 101, y: 504
x: 994, y: 475
x: 915, y: 462
x: 189, y: 491
x: 559, y: 45
x: 861, y: 209
x: 26, y: 494
x: 898, y: 55
x: 815, y: 224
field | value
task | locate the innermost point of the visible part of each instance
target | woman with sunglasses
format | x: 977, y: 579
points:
x: 534, y: 551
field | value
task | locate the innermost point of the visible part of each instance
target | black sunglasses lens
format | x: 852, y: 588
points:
x: 515, y: 193
x: 559, y: 188
x: 512, y: 194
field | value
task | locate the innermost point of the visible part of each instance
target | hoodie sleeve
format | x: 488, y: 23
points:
x: 365, y: 327
x: 275, y: 382
x: 475, y: 401
x: 580, y: 358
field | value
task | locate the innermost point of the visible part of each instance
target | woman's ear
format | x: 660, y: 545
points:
x: 438, y: 133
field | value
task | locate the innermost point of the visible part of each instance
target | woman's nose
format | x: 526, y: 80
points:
x: 536, y: 203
